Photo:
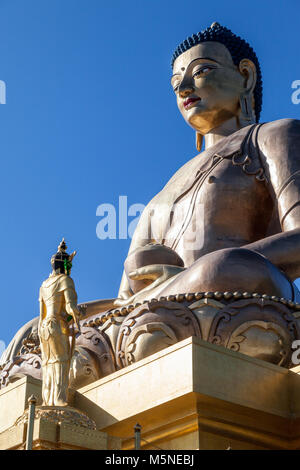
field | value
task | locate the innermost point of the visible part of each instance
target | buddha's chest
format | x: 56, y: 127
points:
x: 223, y: 206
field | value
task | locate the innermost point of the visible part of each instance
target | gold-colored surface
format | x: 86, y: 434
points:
x: 60, y: 415
x: 199, y: 396
x: 54, y: 427
x: 58, y: 299
x: 14, y: 400
x: 49, y: 435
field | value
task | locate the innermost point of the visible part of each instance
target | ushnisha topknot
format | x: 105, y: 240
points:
x: 238, y: 48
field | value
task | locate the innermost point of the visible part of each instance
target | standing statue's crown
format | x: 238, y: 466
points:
x: 61, y: 260
x: 62, y: 247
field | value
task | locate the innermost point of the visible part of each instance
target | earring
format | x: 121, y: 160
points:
x: 247, y: 112
x: 199, y: 140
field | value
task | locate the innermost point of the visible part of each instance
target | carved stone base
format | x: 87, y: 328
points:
x: 58, y: 415
x: 258, y: 325
x: 57, y: 428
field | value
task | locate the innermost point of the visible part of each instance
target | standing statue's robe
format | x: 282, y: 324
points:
x: 54, y: 333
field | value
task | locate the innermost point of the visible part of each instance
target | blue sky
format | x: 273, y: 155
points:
x: 90, y: 115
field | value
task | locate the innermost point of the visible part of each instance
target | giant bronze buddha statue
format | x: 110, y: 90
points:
x: 216, y: 252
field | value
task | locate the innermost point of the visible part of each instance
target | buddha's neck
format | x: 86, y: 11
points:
x: 227, y: 128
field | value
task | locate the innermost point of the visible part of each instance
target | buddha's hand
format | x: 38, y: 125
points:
x: 157, y: 273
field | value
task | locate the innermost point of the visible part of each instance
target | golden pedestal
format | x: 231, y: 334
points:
x: 55, y: 428
x: 196, y: 395
x: 192, y: 395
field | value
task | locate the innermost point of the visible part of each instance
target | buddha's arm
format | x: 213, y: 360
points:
x: 283, y: 250
x: 279, y: 143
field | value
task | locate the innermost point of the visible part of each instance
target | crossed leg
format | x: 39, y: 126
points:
x: 231, y: 269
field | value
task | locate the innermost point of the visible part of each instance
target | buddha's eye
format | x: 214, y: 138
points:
x: 203, y: 71
x: 176, y: 86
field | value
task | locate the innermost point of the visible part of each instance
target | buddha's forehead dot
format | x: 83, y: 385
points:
x: 210, y: 49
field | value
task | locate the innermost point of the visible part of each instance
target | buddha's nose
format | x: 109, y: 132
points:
x: 185, y: 90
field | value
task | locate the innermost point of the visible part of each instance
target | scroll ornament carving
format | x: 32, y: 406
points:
x: 257, y: 325
x: 27, y: 364
x: 152, y: 327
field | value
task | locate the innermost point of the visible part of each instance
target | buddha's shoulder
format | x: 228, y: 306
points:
x: 278, y: 132
x: 274, y: 134
x: 175, y: 180
x: 188, y: 168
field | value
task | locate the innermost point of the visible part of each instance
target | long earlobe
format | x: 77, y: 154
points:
x: 248, y: 70
x: 247, y: 112
x: 199, y: 140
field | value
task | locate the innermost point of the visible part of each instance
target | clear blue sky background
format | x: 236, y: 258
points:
x: 90, y: 115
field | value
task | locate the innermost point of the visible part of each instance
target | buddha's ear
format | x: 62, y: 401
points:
x: 247, y: 104
x: 248, y: 70
x: 199, y: 140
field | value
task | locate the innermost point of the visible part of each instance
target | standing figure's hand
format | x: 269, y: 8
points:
x: 74, y: 312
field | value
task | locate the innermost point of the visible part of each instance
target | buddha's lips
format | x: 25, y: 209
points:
x: 187, y: 102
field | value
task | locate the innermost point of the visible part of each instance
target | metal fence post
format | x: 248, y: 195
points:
x: 31, y: 412
x: 137, y: 436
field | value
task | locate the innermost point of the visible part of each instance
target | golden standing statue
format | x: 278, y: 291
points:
x: 58, y: 302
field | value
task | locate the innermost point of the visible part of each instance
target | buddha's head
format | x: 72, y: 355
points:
x: 216, y: 77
